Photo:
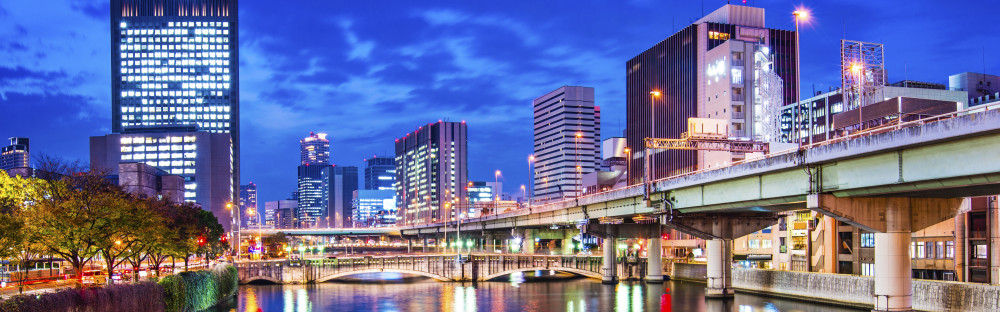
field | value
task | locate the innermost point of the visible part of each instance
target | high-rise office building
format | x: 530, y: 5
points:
x: 312, y: 200
x: 567, y: 141
x: 174, y: 67
x: 315, y: 149
x: 280, y: 214
x: 374, y: 208
x: 340, y: 182
x: 431, y: 172
x: 14, y: 155
x: 380, y: 173
x: 727, y: 65
x: 248, y: 205
x: 313, y: 195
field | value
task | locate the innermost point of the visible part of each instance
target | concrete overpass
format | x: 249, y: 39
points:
x: 891, y: 181
x: 386, y: 231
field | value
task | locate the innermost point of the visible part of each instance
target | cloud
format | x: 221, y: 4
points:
x: 358, y: 49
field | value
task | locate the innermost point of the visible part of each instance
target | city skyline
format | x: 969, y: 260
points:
x: 464, y: 65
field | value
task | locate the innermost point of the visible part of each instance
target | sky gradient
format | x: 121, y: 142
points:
x: 369, y: 72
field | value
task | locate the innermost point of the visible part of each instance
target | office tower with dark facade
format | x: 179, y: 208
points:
x: 340, y: 182
x: 174, y: 71
x: 313, y: 168
x: 248, y: 205
x: 380, y: 173
x: 707, y: 70
x: 567, y: 142
x: 431, y: 173
x: 15, y: 155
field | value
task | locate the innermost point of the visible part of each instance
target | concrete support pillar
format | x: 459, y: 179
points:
x: 720, y: 267
x: 654, y: 258
x: 893, y: 282
x: 528, y: 242
x: 409, y: 245
x: 424, y: 248
x: 960, y: 245
x: 610, y: 268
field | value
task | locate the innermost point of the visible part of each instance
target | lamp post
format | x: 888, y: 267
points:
x: 799, y: 15
x: 652, y: 131
x: 576, y: 158
x: 628, y: 164
x: 531, y: 180
x: 496, y: 190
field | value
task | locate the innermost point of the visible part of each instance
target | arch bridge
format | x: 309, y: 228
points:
x: 441, y: 267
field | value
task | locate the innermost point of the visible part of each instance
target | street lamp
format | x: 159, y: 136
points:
x: 531, y: 180
x: 496, y: 190
x: 800, y: 14
x: 652, y: 130
x: 579, y: 172
x: 628, y: 164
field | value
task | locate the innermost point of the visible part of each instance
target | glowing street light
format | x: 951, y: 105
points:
x: 800, y: 15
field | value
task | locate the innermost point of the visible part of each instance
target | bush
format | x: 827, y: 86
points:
x: 143, y: 297
x: 199, y: 290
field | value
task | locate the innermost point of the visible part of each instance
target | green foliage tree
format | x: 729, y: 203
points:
x: 18, y: 231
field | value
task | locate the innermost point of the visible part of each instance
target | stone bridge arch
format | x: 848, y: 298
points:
x: 260, y: 278
x: 584, y: 273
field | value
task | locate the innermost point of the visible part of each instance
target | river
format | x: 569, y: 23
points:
x: 527, y: 292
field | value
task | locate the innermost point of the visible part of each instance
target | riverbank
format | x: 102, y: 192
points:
x: 187, y: 291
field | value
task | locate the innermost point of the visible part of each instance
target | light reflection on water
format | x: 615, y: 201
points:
x: 520, y: 294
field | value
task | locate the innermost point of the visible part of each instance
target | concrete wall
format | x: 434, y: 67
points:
x: 852, y: 290
x: 689, y: 271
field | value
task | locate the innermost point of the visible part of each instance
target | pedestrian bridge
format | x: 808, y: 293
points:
x: 441, y: 267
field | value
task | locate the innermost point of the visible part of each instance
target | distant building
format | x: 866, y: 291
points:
x: 15, y: 155
x: 374, y: 208
x: 612, y: 174
x: 820, y: 111
x: 976, y: 86
x: 727, y: 65
x: 566, y: 141
x: 312, y: 195
x: 280, y: 213
x: 479, y: 192
x: 431, y: 172
x: 248, y: 205
x: 380, y: 173
x: 204, y: 159
x: 340, y: 182
x: 315, y: 149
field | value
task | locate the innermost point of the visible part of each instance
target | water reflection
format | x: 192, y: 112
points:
x: 525, y: 293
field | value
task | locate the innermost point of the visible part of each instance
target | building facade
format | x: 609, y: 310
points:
x: 315, y: 149
x: 204, y: 159
x: 431, y: 172
x: 15, y: 155
x: 727, y: 65
x: 280, y: 214
x: 248, y: 205
x: 340, y: 183
x: 567, y: 135
x: 174, y: 65
x: 313, y: 195
x: 148, y: 181
x: 374, y: 208
x: 380, y: 173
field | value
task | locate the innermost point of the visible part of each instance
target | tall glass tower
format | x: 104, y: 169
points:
x: 174, y: 66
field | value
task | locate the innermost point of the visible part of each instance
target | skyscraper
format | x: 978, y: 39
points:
x: 312, y: 184
x: 567, y: 141
x: 248, y: 205
x: 727, y: 65
x: 315, y: 149
x: 380, y: 173
x: 340, y: 183
x: 431, y: 172
x: 15, y: 155
x: 174, y: 66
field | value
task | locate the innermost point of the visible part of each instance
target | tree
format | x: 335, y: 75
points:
x: 18, y: 232
x: 167, y: 235
x: 75, y: 215
x: 275, y: 243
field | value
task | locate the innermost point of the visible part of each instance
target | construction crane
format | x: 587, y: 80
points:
x: 703, y: 134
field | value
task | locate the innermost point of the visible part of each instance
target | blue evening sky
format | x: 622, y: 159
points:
x: 367, y: 72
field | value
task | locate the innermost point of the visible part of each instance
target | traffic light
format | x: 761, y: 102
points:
x: 201, y: 241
